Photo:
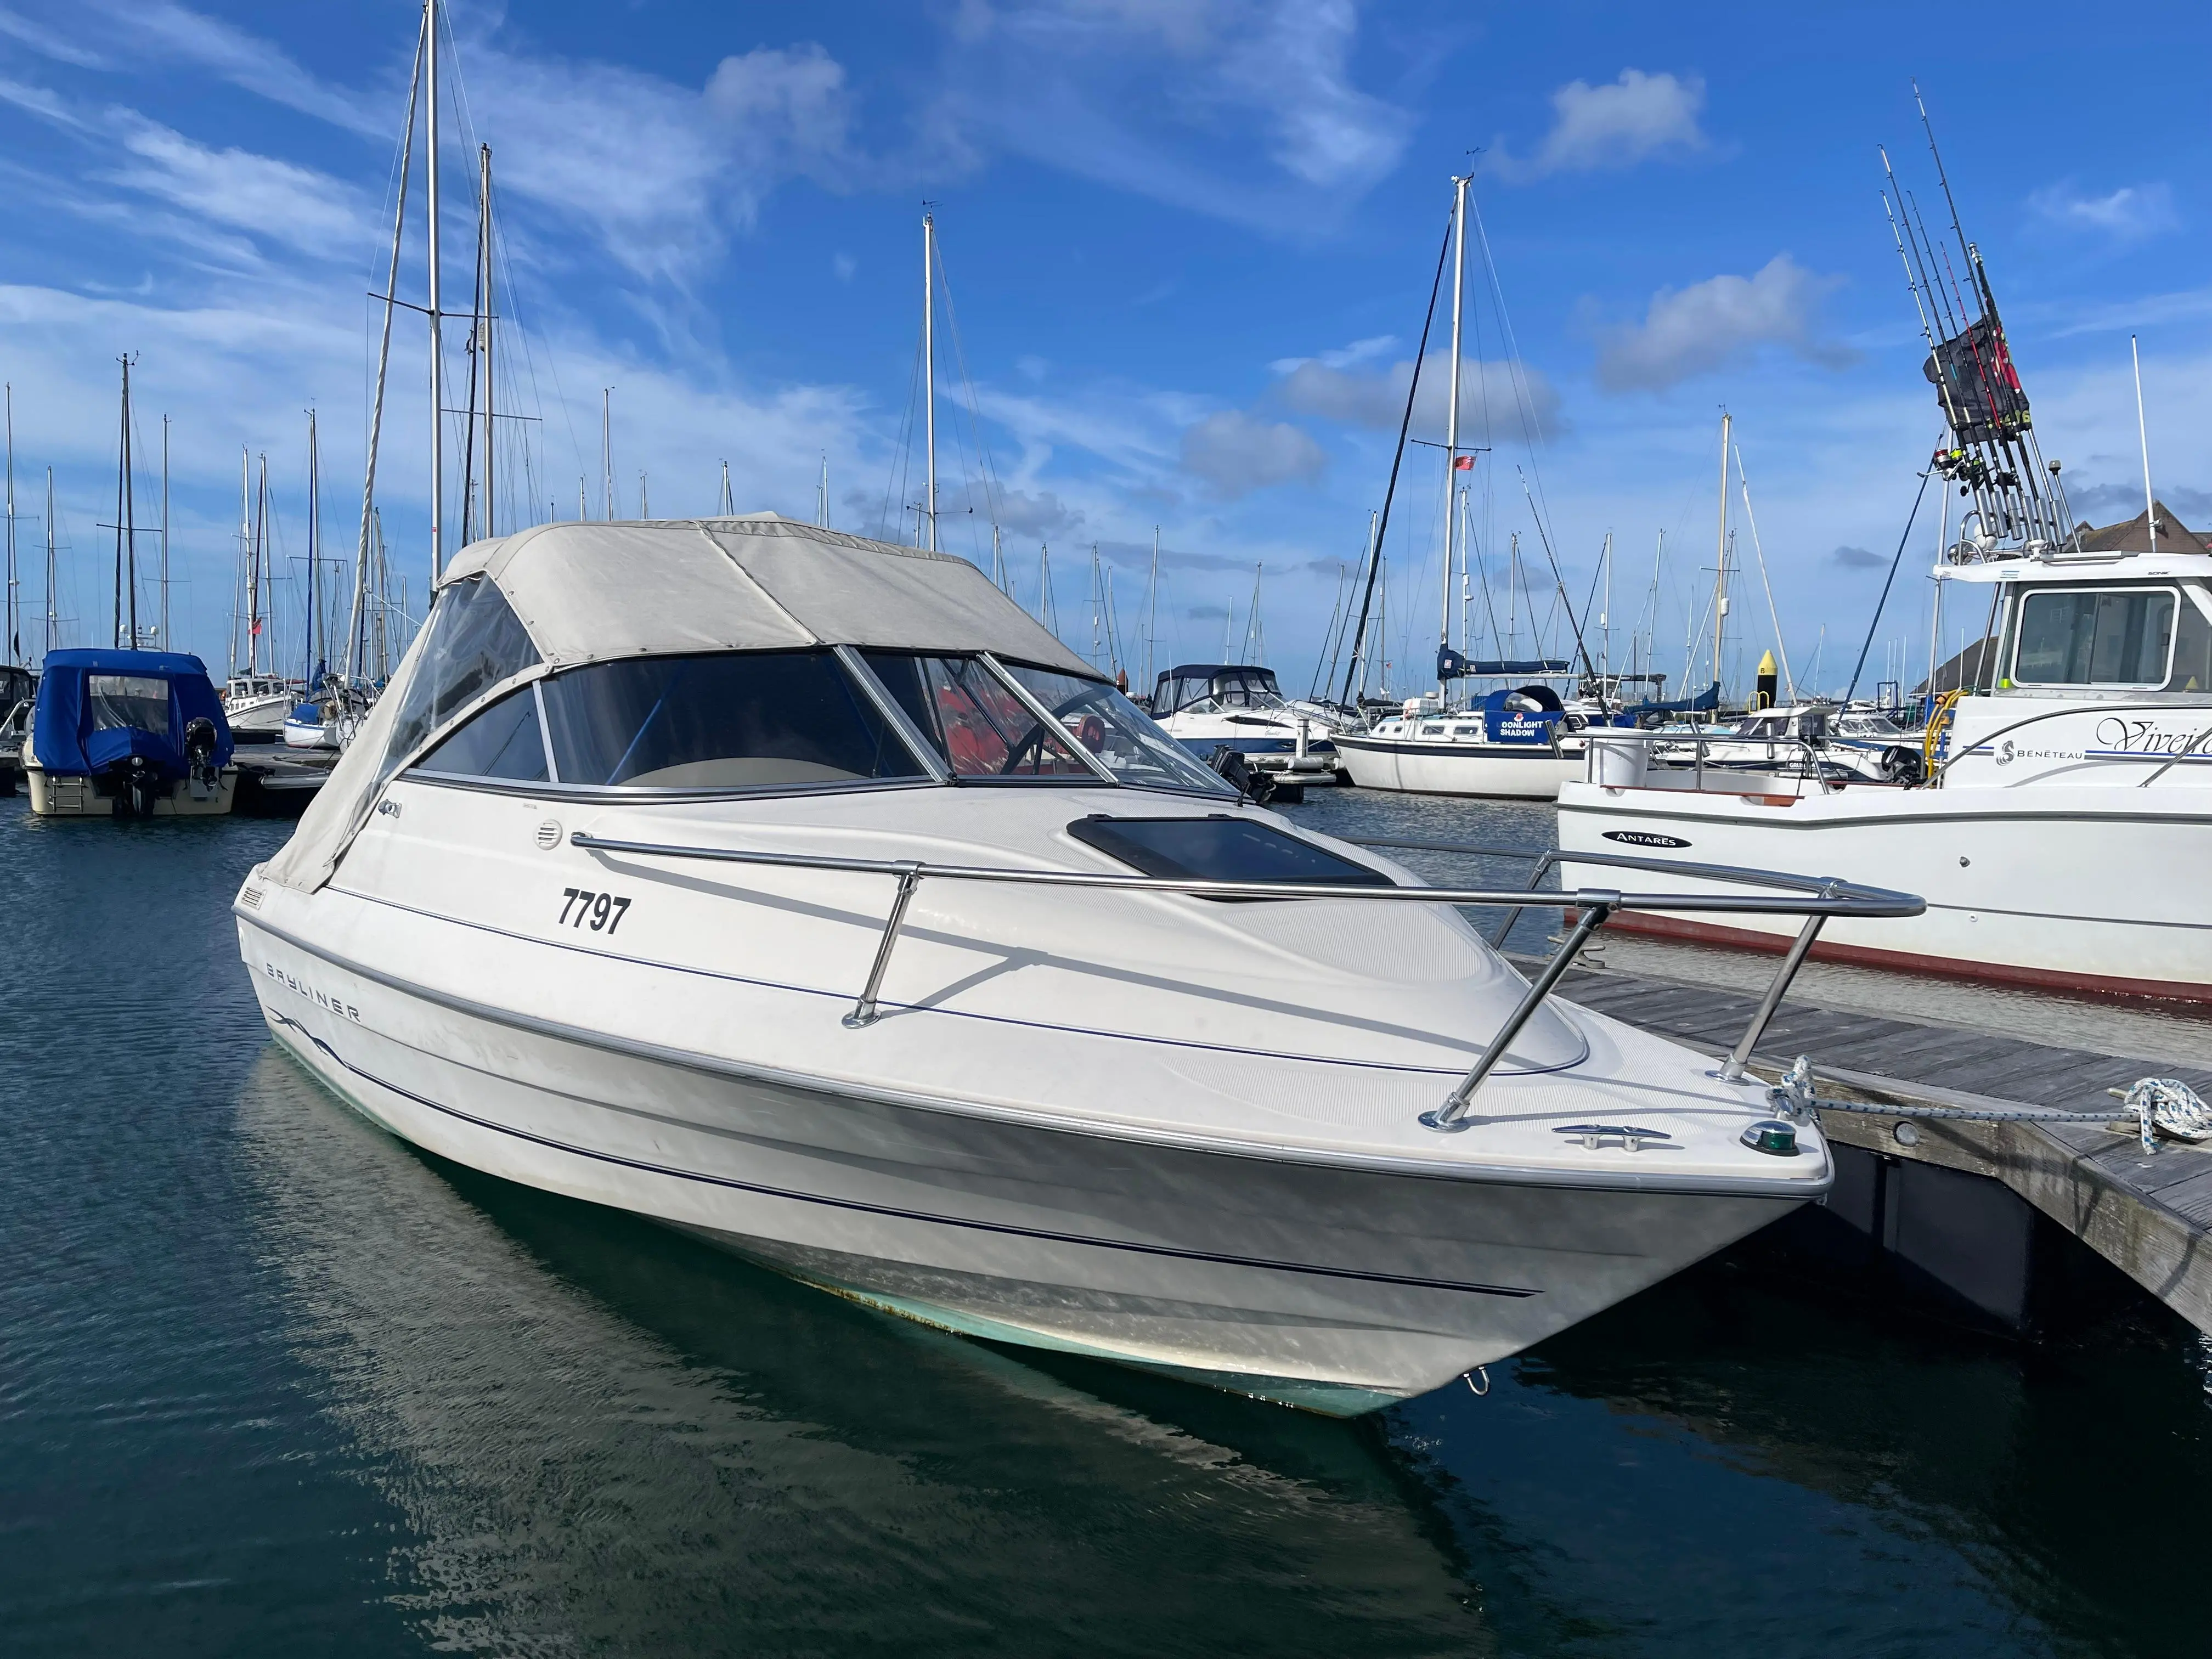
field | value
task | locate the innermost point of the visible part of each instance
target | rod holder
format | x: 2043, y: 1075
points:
x: 1450, y: 1117
x: 864, y: 1012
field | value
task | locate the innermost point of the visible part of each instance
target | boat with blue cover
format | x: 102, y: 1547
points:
x: 128, y: 734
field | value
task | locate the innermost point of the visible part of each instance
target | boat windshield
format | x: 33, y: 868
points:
x: 983, y: 730
x: 740, y: 720
x: 138, y: 702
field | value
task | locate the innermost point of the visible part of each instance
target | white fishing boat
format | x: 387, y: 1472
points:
x: 1209, y: 706
x: 802, y: 892
x: 257, y: 705
x: 2067, y: 804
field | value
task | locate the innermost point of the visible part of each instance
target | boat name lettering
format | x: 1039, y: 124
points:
x: 604, y: 910
x: 2141, y: 737
x: 1644, y: 838
x: 320, y: 999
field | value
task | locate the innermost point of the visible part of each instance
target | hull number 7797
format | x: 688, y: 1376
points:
x: 604, y: 911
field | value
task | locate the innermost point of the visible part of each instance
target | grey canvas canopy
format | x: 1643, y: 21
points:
x: 555, y: 596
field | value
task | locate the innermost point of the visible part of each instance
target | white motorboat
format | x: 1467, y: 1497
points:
x: 1519, y: 744
x: 257, y: 705
x: 127, y: 734
x: 801, y: 892
x: 1209, y: 706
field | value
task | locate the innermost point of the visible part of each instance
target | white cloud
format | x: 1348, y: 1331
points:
x: 1492, y: 396
x: 2130, y: 214
x: 45, y: 42
x: 1630, y: 120
x: 1235, y: 453
x: 1707, y: 325
x: 304, y: 209
x: 1244, y: 110
x: 175, y: 35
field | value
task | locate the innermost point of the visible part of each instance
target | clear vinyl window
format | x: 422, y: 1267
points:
x: 740, y: 720
x: 501, y: 741
x: 473, y: 641
x: 139, y: 702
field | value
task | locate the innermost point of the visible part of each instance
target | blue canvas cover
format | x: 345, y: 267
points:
x: 1503, y: 725
x: 78, y: 726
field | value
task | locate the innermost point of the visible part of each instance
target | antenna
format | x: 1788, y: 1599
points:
x: 2142, y: 438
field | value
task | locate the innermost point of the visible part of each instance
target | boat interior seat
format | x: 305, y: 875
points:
x: 739, y: 772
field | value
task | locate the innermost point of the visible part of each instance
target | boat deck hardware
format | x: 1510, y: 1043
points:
x: 1813, y: 898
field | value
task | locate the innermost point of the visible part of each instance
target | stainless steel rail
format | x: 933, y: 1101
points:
x: 1815, y: 899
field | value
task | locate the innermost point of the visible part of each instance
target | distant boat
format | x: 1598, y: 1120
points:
x: 1209, y: 706
x: 18, y: 686
x: 128, y: 734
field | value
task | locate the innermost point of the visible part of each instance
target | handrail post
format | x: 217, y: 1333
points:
x: 864, y: 1012
x: 1731, y: 1069
x: 1535, y: 880
x: 1450, y: 1117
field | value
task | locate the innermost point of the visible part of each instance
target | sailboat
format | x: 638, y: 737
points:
x: 315, y: 723
x: 1519, y: 741
x: 255, y: 699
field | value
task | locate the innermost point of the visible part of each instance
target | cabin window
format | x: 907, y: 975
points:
x: 1134, y: 750
x: 2192, y: 649
x: 502, y: 741
x: 473, y: 641
x: 137, y: 703
x: 750, y: 720
x: 981, y: 728
x: 2111, y: 637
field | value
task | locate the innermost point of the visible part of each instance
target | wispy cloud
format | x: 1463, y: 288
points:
x: 1244, y: 110
x: 1492, y: 395
x: 1234, y: 453
x: 1696, y: 329
x: 178, y: 37
x: 1632, y: 119
x: 2131, y: 214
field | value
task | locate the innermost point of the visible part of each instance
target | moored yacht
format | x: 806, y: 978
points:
x: 257, y: 705
x: 803, y: 892
x: 1517, y: 743
x: 1209, y: 706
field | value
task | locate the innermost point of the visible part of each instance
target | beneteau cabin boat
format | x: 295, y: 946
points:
x: 2060, y: 836
x: 800, y: 891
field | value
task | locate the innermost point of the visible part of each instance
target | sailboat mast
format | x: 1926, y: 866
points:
x: 15, y: 623
x: 165, y: 529
x: 1451, y: 426
x: 53, y: 610
x: 130, y: 532
x: 929, y: 365
x: 1152, y: 611
x: 261, y: 566
x: 437, y: 348
x: 607, y: 453
x: 483, y: 344
x: 318, y: 623
x: 1720, y: 576
x: 822, y: 500
x: 383, y: 356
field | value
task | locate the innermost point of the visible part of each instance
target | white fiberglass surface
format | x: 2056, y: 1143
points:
x: 1201, y: 1018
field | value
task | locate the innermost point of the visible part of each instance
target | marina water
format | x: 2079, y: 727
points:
x: 271, y: 1381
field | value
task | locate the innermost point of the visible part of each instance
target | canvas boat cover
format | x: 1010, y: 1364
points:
x: 591, y: 593
x: 96, y: 707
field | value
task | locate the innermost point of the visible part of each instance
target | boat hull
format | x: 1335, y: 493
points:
x: 75, y: 796
x: 2078, y: 889
x: 1510, y: 771
x: 1336, y: 1288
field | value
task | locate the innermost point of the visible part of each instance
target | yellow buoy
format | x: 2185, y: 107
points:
x: 1769, y: 677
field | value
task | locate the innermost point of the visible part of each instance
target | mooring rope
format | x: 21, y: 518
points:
x: 2154, y: 1103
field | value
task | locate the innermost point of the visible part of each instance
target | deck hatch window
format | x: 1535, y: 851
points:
x: 742, y: 721
x: 2112, y: 637
x: 1220, y: 847
x: 502, y: 741
x: 136, y: 702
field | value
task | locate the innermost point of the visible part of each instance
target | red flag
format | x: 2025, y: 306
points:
x: 1462, y: 462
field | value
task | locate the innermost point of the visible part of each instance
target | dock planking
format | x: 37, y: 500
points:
x: 2150, y: 1215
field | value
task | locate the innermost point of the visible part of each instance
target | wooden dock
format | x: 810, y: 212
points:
x: 1922, y: 1187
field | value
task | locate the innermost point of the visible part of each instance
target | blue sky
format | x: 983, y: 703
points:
x: 1190, y: 245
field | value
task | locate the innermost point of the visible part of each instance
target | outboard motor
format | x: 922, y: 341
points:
x: 1248, y: 780
x: 137, y: 787
x: 199, y: 753
x: 1903, y: 764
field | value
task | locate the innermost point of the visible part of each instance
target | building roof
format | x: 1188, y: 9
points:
x: 2134, y: 536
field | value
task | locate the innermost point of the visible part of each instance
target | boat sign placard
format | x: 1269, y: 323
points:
x: 1644, y: 838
